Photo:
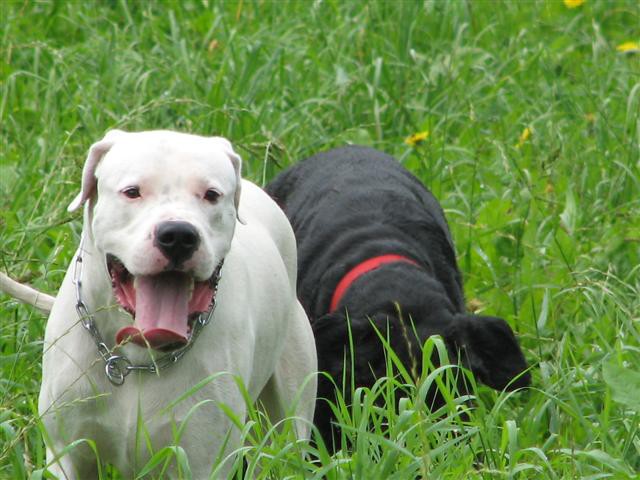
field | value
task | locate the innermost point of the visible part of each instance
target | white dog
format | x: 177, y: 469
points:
x: 181, y: 286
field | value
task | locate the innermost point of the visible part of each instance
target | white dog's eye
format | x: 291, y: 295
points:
x: 131, y: 192
x: 212, y: 195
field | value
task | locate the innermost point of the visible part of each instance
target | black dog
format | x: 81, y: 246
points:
x: 373, y: 245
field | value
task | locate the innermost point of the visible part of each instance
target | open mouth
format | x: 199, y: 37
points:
x: 163, y: 306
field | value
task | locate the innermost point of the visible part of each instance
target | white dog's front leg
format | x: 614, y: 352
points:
x: 71, y: 467
x: 292, y: 388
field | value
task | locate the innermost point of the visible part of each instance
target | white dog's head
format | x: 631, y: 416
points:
x: 161, y: 209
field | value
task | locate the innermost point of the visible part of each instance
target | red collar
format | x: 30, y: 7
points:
x: 359, y: 270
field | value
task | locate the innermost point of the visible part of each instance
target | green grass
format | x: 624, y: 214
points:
x: 547, y: 228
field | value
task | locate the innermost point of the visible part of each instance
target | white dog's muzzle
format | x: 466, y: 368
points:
x: 163, y: 305
x: 117, y: 367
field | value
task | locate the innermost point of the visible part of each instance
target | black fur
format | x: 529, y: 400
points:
x: 353, y: 203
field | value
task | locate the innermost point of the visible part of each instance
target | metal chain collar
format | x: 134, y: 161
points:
x: 117, y: 367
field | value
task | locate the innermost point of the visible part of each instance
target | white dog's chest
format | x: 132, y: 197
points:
x: 129, y: 423
x: 132, y: 422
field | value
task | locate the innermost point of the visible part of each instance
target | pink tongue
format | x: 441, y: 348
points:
x: 162, y: 311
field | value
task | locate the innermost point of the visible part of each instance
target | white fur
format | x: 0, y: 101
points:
x: 259, y: 332
x: 26, y: 294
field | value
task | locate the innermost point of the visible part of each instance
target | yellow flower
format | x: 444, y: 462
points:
x: 573, y: 3
x: 524, y: 136
x: 630, y: 47
x: 213, y: 44
x: 475, y: 305
x: 416, y: 138
x: 548, y: 189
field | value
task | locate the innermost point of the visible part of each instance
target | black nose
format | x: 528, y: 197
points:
x: 177, y: 241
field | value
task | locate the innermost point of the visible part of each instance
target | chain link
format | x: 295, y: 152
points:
x: 117, y: 367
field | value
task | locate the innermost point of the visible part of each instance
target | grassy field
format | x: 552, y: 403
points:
x: 533, y: 145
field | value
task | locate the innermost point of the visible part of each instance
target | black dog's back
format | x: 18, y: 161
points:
x: 352, y: 205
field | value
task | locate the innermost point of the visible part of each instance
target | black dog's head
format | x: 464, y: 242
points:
x: 421, y: 308
x: 483, y: 344
x: 490, y: 350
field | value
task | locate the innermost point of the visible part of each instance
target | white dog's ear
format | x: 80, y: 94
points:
x: 236, y: 161
x: 96, y: 152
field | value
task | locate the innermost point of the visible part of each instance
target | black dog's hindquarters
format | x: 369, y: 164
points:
x: 371, y: 238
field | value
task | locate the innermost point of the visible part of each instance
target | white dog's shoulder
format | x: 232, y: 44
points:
x: 257, y: 206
